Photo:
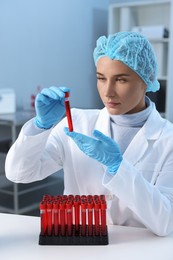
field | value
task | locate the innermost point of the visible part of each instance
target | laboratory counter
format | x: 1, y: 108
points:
x: 19, y: 237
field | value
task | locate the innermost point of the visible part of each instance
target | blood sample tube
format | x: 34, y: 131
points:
x: 62, y: 217
x: 83, y: 213
x: 96, y: 198
x: 68, y: 113
x: 90, y: 217
x: 49, y: 218
x: 103, y: 218
x: 71, y: 200
x: 102, y: 198
x: 90, y: 198
x: 77, y: 213
x: 56, y: 217
x: 57, y: 198
x: 77, y: 197
x: 97, y: 217
x: 64, y: 197
x: 83, y: 197
x: 43, y: 217
x: 47, y: 197
x: 69, y: 217
x: 70, y: 197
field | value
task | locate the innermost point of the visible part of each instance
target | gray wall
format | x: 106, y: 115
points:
x: 50, y: 42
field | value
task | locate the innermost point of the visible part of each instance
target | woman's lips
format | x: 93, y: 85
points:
x: 112, y: 104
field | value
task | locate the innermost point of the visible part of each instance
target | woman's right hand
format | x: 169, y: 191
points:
x: 49, y: 106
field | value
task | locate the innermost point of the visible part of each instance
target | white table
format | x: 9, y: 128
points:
x: 19, y: 241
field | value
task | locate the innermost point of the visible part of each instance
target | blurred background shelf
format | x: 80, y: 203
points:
x: 127, y: 16
x: 27, y: 196
x: 22, y: 198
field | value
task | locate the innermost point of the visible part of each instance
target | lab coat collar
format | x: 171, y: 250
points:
x: 151, y: 130
x: 154, y: 125
x: 103, y: 122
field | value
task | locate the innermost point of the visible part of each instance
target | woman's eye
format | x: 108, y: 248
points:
x: 100, y: 78
x: 121, y: 80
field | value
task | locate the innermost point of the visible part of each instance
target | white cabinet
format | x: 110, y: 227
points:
x: 150, y: 14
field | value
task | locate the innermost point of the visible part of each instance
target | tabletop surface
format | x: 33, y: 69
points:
x: 19, y: 237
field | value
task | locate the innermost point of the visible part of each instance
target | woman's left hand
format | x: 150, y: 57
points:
x: 101, y: 148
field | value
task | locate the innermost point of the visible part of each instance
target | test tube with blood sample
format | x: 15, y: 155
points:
x: 69, y: 217
x: 97, y: 217
x: 62, y: 217
x: 83, y: 213
x: 77, y: 212
x: 71, y: 200
x: 103, y: 218
x: 68, y: 113
x: 49, y: 218
x: 43, y: 217
x: 90, y: 217
x: 56, y: 217
x: 103, y: 198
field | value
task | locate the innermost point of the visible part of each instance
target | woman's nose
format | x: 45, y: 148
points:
x: 109, y: 90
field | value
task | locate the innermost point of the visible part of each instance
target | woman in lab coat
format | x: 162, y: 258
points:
x: 124, y: 150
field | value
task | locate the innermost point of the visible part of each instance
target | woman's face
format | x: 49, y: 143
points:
x: 121, y: 89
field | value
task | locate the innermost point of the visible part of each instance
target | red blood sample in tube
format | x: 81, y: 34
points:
x: 96, y: 198
x: 43, y: 217
x: 68, y: 113
x: 77, y: 197
x: 64, y: 197
x: 90, y: 218
x: 103, y: 218
x: 49, y: 218
x: 47, y: 197
x: 90, y: 198
x: 83, y: 213
x: 77, y: 213
x: 62, y: 217
x: 96, y: 217
x: 102, y: 197
x: 70, y: 197
x: 69, y: 218
x: 56, y: 217
x: 58, y: 197
x: 71, y: 200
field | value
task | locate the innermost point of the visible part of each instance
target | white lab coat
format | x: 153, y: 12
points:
x: 141, y: 192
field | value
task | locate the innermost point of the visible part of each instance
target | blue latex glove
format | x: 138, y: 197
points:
x: 103, y: 149
x: 49, y: 106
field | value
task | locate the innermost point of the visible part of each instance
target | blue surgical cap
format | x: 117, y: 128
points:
x: 135, y: 51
